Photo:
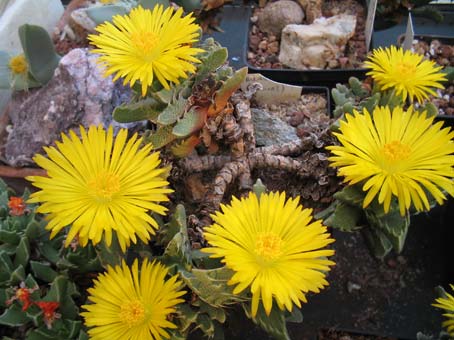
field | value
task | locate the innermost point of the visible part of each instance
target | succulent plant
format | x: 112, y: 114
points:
x: 38, y: 276
x: 180, y: 113
x: 357, y: 95
x: 40, y: 61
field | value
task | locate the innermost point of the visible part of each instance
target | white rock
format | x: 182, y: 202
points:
x: 45, y: 13
x: 311, y: 46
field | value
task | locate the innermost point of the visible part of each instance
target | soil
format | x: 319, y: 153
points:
x: 263, y: 48
x: 442, y: 52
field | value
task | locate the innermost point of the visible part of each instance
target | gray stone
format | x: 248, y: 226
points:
x: 271, y: 130
x: 276, y: 15
x: 78, y: 94
x: 313, y: 46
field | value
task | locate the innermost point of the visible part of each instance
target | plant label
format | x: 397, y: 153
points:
x: 409, y: 34
x: 271, y: 91
x: 371, y: 9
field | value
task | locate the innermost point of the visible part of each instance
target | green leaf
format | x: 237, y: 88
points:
x: 161, y: 137
x: 49, y: 252
x: 178, y: 250
x: 211, y: 286
x: 42, y: 334
x: 39, y: 51
x: 186, y: 316
x: 5, y: 72
x: 172, y: 112
x: 176, y: 224
x: 190, y: 5
x: 43, y: 271
x: 295, y: 316
x: 377, y: 241
x: 392, y: 224
x: 273, y: 324
x: 205, y: 324
x: 34, y: 229
x: 110, y: 255
x: 192, y: 121
x: 150, y: 4
x: 345, y: 217
x: 148, y: 108
x: 258, y: 187
x: 73, y: 328
x: 13, y: 317
x: 23, y: 252
x: 5, y: 263
x: 18, y: 275
x: 352, y: 195
x: 9, y: 237
x: 211, y: 62
x: 61, y: 293
x: 104, y: 13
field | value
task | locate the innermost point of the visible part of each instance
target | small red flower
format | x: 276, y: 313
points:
x: 48, y: 308
x: 16, y: 206
x: 23, y: 294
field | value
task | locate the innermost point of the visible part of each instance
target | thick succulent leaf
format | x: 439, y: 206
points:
x: 392, y: 224
x: 150, y: 4
x: 13, y: 317
x: 23, y: 252
x: 352, y: 195
x: 345, y: 217
x: 104, y: 13
x: 43, y: 271
x: 148, y: 108
x: 5, y: 72
x: 274, y: 324
x: 172, y: 112
x: 227, y: 89
x: 189, y: 5
x: 60, y: 291
x: 178, y: 251
x: 377, y: 241
x: 39, y: 51
x: 161, y: 137
x: 192, y: 121
x: 211, y: 285
x: 9, y: 237
x: 214, y: 59
x: 185, y: 147
x: 18, y: 275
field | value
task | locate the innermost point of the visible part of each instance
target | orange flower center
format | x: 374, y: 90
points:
x: 144, y: 42
x: 405, y: 70
x: 268, y: 246
x: 104, y: 186
x: 396, y: 151
x: 132, y: 312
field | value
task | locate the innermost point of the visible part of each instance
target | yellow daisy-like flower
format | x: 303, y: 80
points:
x: 273, y: 247
x: 146, y: 43
x: 406, y: 72
x: 399, y: 153
x: 447, y: 304
x: 18, y: 65
x: 100, y: 184
x: 130, y: 304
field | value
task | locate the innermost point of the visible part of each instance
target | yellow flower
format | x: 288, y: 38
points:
x: 146, y: 43
x: 131, y: 304
x: 100, y: 184
x: 273, y: 247
x: 447, y: 304
x: 405, y: 72
x: 398, y: 153
x: 18, y: 65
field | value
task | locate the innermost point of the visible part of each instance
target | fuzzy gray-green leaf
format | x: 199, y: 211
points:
x: 105, y: 13
x: 274, y: 324
x: 172, y: 112
x: 148, y: 108
x: 13, y: 317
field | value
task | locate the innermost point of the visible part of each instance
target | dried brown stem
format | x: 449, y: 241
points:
x: 8, y: 171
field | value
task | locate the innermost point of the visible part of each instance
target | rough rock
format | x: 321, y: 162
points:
x: 276, y: 15
x: 271, y: 130
x: 15, y: 13
x: 78, y: 94
x: 312, y: 46
x: 312, y: 9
